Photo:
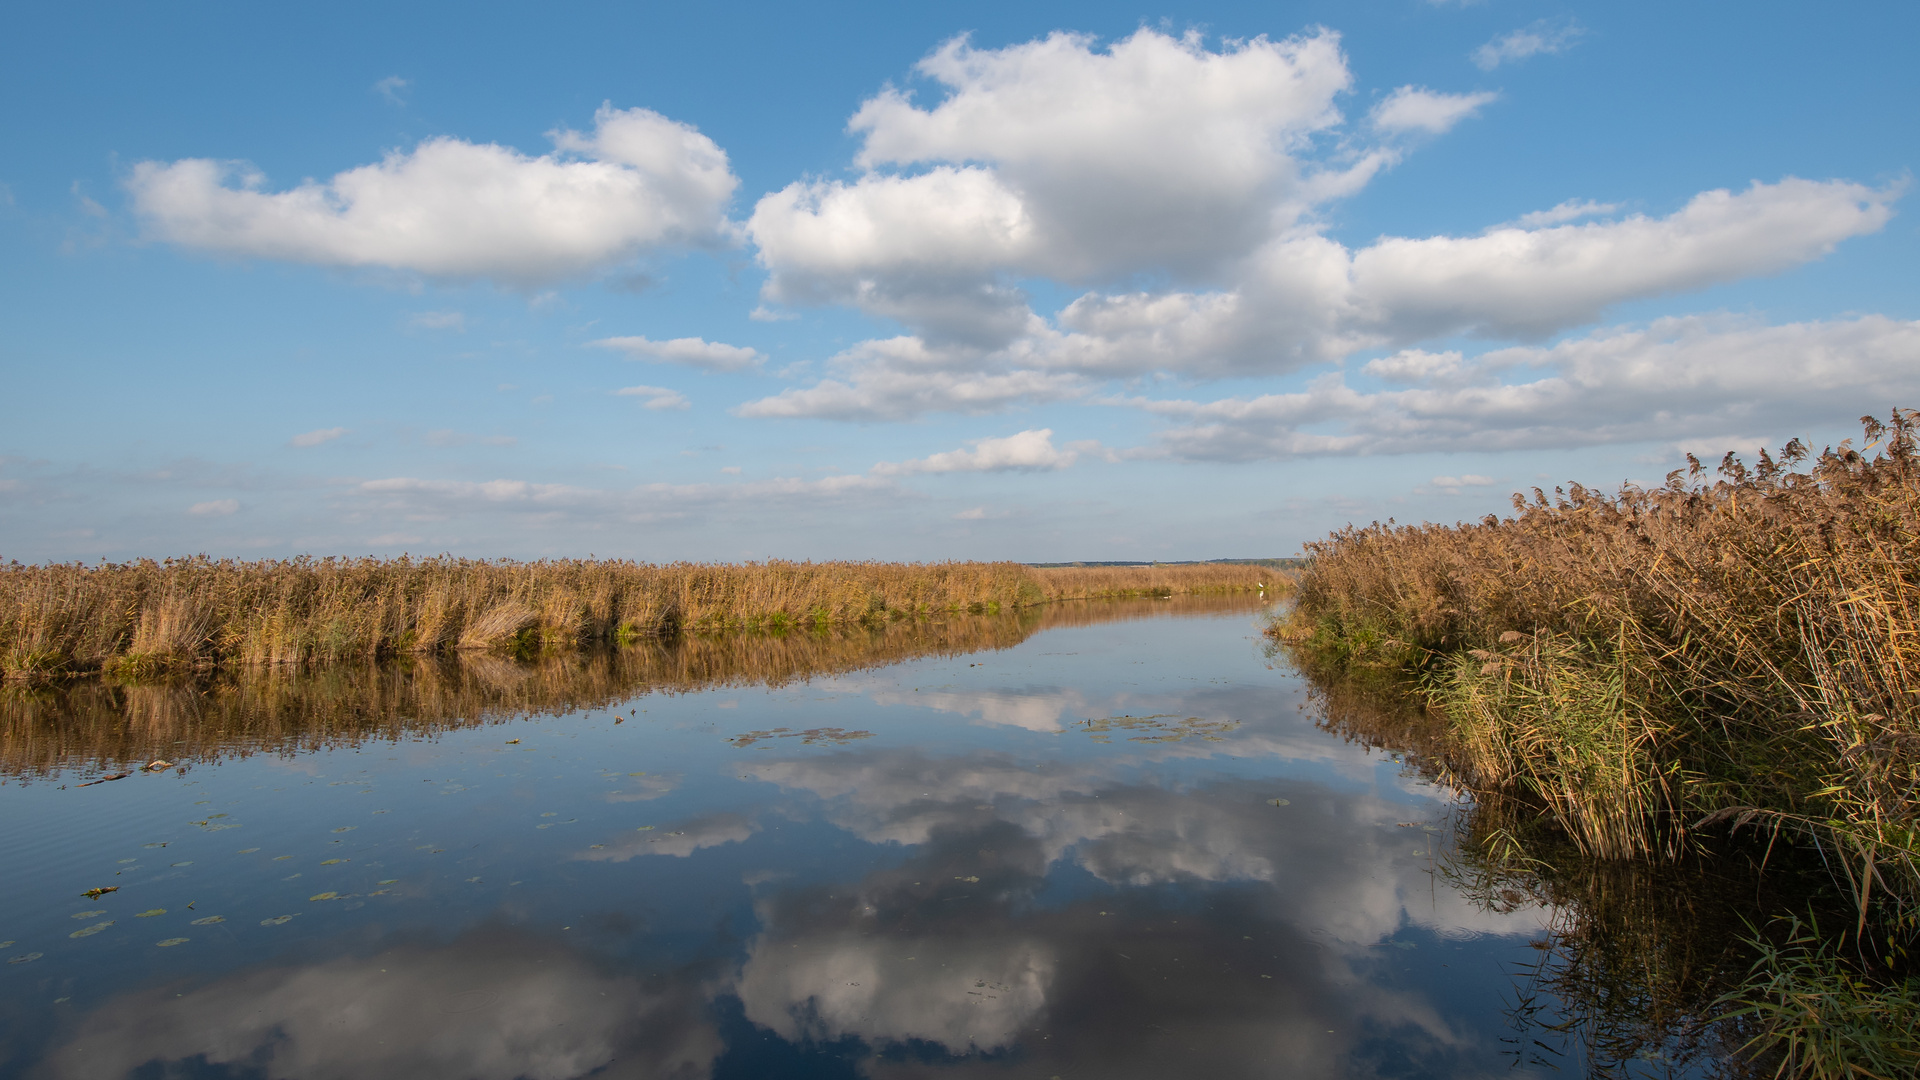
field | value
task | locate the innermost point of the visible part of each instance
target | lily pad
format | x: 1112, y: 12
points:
x: 84, y: 915
x: 89, y: 931
x: 172, y: 941
x: 210, y: 920
x: 27, y: 959
x: 151, y: 912
x: 332, y: 862
x: 247, y: 851
x: 278, y: 920
x: 346, y: 828
x: 324, y: 896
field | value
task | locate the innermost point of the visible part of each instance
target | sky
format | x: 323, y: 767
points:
x: 1035, y: 281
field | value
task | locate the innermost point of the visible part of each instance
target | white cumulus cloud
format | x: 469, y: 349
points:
x: 460, y: 210
x: 215, y: 508
x: 1027, y: 451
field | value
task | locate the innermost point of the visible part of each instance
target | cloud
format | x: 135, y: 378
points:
x: 901, y: 377
x: 493, y: 1005
x: 1028, y: 451
x: 1057, y: 158
x: 1203, y: 170
x: 315, y: 438
x: 1415, y: 108
x: 1571, y: 210
x: 392, y: 88
x: 1547, y: 36
x: 1304, y: 299
x: 408, y: 500
x: 691, y: 351
x: 1691, y: 378
x: 439, y: 320
x: 215, y: 508
x: 658, y: 397
x: 458, y: 210
x: 1455, y: 483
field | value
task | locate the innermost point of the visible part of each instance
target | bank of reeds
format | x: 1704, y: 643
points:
x: 1743, y: 649
x: 148, y: 617
x: 107, y: 725
x: 1651, y: 667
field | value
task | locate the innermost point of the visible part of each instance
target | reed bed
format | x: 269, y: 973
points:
x: 1652, y: 662
x: 100, y: 726
x: 147, y: 617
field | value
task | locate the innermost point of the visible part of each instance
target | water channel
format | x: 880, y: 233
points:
x: 1101, y: 841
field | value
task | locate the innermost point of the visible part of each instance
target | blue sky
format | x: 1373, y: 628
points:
x: 1030, y: 281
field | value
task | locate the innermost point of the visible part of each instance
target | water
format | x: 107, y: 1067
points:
x: 1113, y: 849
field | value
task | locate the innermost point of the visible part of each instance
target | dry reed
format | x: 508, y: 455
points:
x: 147, y: 617
x: 1651, y: 662
x: 109, y: 725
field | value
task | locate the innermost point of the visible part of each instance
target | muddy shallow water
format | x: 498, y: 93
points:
x: 1111, y: 844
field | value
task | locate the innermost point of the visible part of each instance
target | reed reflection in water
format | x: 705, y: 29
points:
x: 105, y: 727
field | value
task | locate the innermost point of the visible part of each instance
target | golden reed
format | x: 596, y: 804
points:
x: 147, y: 617
x: 1647, y: 663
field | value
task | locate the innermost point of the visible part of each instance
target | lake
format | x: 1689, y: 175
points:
x: 1106, y: 840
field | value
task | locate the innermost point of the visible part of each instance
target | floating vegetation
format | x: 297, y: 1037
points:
x: 333, y: 862
x: 832, y: 736
x: 95, y: 894
x: 171, y: 942
x: 26, y: 959
x: 1161, y: 727
x: 278, y: 920
x: 82, y: 915
x: 151, y: 913
x: 209, y: 920
x: 323, y: 896
x: 89, y: 931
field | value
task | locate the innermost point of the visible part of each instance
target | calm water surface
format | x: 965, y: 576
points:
x: 1119, y: 849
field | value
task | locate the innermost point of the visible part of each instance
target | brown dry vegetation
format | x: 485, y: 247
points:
x: 1643, y: 661
x: 1650, y: 667
x: 107, y: 725
x: 146, y: 617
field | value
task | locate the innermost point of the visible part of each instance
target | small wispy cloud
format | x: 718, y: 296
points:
x: 215, y: 508
x: 1571, y: 210
x: 1453, y: 484
x: 1416, y: 108
x: 1548, y: 36
x: 657, y: 397
x: 393, y: 88
x: 691, y: 351
x: 315, y: 438
x: 439, y: 320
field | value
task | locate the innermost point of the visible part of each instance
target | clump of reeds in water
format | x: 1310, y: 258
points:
x: 1651, y: 666
x: 145, y: 617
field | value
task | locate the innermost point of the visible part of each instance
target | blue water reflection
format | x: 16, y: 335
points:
x: 1112, y: 850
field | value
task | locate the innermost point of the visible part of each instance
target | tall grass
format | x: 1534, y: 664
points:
x: 110, y: 725
x: 1651, y: 667
x: 1648, y: 662
x: 146, y: 617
